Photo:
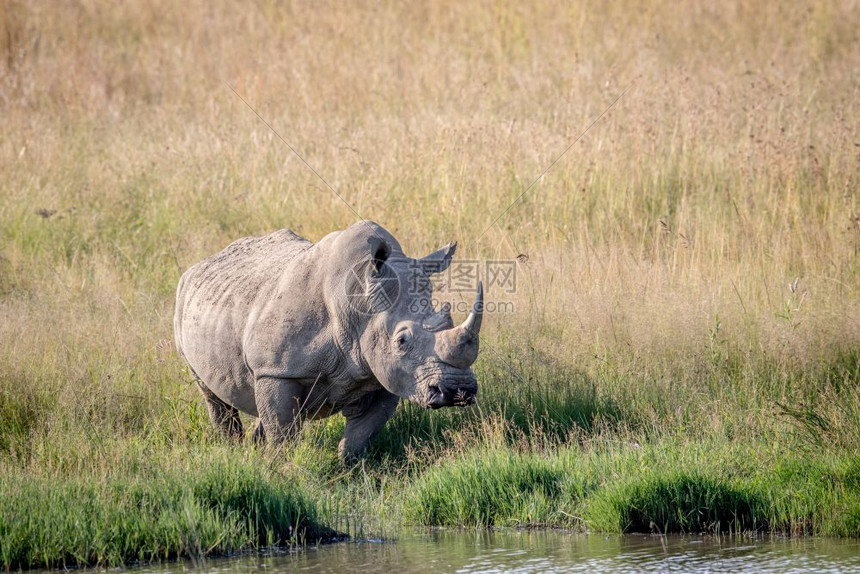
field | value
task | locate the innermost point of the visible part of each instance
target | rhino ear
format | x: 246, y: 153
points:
x: 439, y: 260
x: 379, y: 252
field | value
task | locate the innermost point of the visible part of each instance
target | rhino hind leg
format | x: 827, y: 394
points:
x: 225, y: 417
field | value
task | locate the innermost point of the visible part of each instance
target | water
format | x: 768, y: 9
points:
x: 551, y: 551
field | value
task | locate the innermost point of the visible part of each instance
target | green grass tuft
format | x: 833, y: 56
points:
x: 668, y: 486
x: 485, y: 489
x: 213, y: 506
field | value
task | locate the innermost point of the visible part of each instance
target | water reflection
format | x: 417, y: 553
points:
x: 552, y: 551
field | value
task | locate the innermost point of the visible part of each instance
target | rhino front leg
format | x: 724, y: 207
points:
x: 363, y: 421
x: 259, y: 435
x: 278, y: 404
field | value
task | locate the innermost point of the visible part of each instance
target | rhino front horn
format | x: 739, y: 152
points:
x: 459, y: 346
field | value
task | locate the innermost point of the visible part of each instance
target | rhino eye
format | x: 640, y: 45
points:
x: 402, y: 340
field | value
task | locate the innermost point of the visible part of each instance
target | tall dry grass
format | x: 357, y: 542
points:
x: 727, y: 170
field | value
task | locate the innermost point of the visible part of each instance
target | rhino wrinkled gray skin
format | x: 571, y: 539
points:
x: 284, y: 329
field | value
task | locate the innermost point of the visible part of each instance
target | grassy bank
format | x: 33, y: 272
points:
x: 670, y: 486
x: 682, y: 345
x: 205, y: 504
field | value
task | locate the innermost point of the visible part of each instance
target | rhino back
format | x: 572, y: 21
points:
x: 215, y: 301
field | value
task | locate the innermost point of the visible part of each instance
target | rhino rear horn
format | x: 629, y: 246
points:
x: 440, y: 321
x: 459, y: 346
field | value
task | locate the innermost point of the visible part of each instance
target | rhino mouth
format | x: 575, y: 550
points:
x: 442, y: 385
x: 445, y: 386
x: 439, y: 398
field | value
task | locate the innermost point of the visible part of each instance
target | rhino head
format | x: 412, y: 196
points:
x: 413, y: 350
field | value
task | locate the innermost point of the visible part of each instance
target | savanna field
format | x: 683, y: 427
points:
x: 681, y: 352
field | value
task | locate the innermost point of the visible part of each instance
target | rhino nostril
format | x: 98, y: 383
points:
x: 435, y: 397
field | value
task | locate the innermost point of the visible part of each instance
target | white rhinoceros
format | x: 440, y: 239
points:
x: 284, y: 329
